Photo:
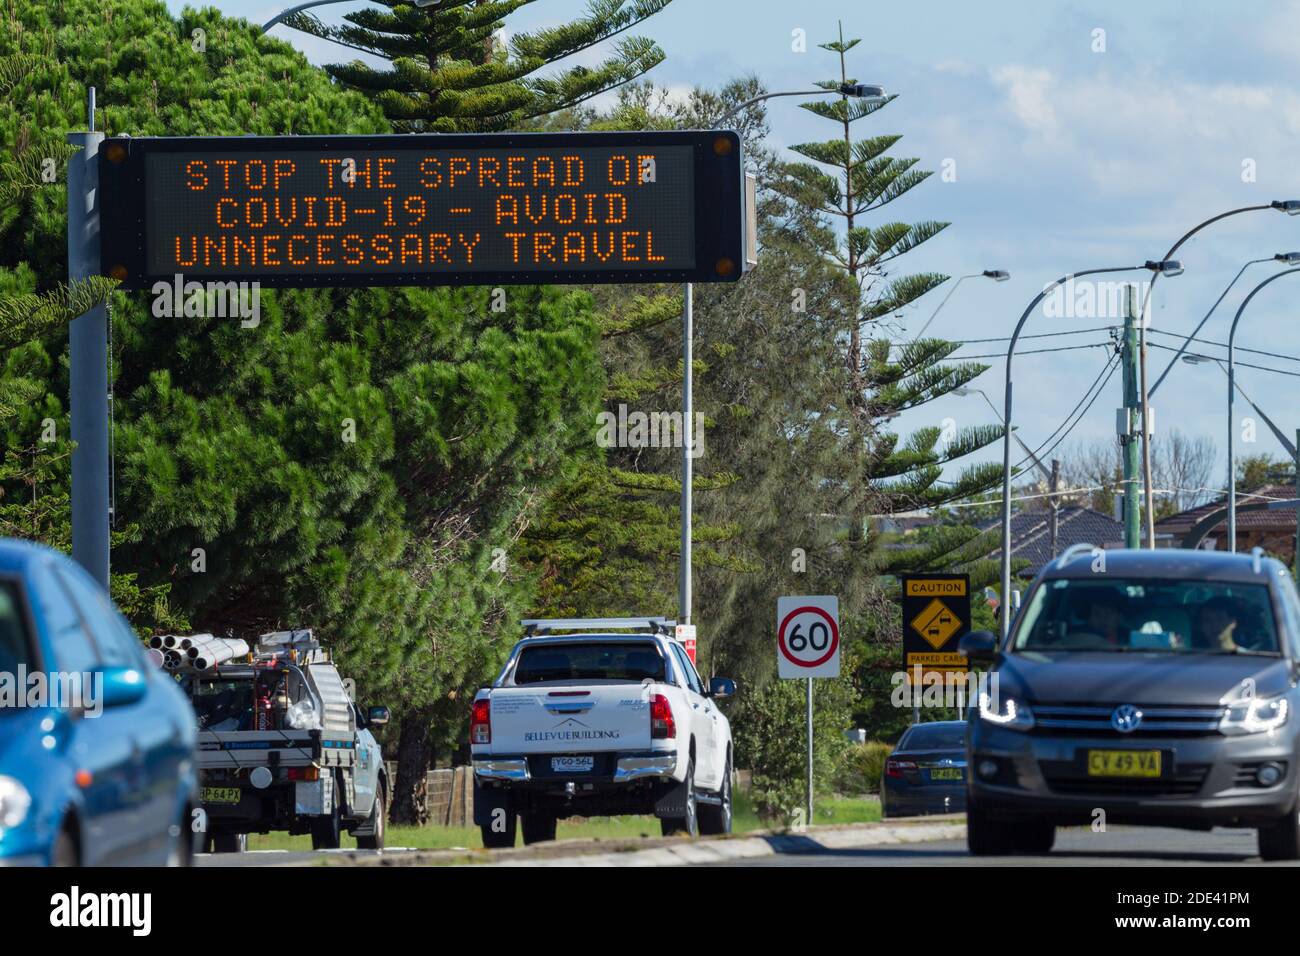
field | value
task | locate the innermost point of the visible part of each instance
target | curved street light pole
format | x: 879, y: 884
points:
x: 1289, y: 206
x: 285, y: 14
x: 1005, y: 615
x: 1232, y: 456
x: 997, y: 275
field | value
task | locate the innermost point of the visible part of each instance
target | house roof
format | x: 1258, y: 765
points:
x: 1031, y: 534
x: 1272, y: 520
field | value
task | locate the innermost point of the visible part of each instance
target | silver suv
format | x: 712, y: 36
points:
x: 1158, y: 687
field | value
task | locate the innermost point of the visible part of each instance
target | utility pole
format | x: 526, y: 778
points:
x: 1128, y: 422
x: 88, y: 360
x: 1297, y: 511
x: 1054, y: 501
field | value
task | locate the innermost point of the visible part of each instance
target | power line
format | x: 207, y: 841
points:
x: 1037, y: 335
x: 1224, y: 345
x: 1063, y: 348
x: 1109, y: 372
x: 1215, y: 358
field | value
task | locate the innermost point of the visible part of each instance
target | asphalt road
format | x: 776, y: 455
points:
x: 1119, y: 846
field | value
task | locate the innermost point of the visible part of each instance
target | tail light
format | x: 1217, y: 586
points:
x: 662, y: 725
x: 305, y: 774
x: 896, y: 768
x: 480, y: 725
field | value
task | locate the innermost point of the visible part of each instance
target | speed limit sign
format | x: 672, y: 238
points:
x: 808, y: 636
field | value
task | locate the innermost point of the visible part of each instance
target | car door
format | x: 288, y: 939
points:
x: 97, y: 753
x: 366, y: 775
x: 707, y: 772
x: 123, y: 732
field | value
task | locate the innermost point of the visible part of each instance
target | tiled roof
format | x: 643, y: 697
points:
x: 1279, y: 519
x: 1031, y: 534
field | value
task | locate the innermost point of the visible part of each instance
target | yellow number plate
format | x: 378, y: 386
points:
x: 945, y: 774
x: 219, y: 795
x: 1123, y: 763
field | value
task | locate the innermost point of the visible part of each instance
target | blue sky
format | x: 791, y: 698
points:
x: 1065, y: 158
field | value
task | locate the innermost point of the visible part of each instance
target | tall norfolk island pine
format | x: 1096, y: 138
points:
x: 451, y: 73
x: 883, y: 378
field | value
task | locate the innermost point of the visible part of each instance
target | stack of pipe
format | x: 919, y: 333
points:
x: 197, y: 652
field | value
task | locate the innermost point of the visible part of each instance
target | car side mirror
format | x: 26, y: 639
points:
x: 979, y: 646
x: 377, y: 716
x: 720, y: 687
x: 120, y: 686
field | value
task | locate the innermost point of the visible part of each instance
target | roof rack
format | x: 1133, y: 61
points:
x: 548, y: 625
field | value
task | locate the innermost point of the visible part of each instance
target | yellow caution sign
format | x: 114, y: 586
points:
x: 936, y: 623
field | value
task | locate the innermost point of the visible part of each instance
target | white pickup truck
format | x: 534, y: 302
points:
x: 600, y: 722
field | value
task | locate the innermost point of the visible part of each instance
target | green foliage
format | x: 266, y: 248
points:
x: 769, y: 727
x: 862, y: 768
x: 450, y: 72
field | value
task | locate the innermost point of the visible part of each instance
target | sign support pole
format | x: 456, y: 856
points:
x: 88, y: 358
x: 688, y: 417
x: 810, y: 753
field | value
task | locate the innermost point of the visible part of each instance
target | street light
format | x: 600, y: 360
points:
x: 1232, y: 357
x: 1289, y: 206
x: 1161, y: 267
x: 1193, y: 359
x: 997, y: 275
x: 285, y: 14
x: 1289, y: 258
x: 688, y: 331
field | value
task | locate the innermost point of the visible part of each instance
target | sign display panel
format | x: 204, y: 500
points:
x: 416, y: 209
x: 936, y: 613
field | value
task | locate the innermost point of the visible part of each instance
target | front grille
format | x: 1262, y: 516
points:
x: 1093, y: 719
x: 1066, y: 776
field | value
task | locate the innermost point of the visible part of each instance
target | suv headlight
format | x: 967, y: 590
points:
x: 1255, y: 716
x: 14, y: 803
x: 1008, y: 712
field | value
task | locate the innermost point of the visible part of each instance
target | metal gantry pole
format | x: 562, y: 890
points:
x: 88, y: 359
x: 688, y: 419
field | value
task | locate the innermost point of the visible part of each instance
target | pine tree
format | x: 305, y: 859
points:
x: 834, y: 210
x: 450, y: 72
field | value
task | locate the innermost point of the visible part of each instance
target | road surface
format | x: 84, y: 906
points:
x: 1119, y: 846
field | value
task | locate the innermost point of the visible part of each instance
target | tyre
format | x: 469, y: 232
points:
x: 538, y: 827
x: 229, y: 842
x: 689, y: 824
x: 715, y: 819
x: 327, y: 831
x: 500, y: 838
x: 64, y: 852
x: 1281, y: 840
x: 1033, y: 836
x: 378, y: 815
x: 985, y: 836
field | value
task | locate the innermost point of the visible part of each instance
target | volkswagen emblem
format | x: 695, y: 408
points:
x: 1126, y: 718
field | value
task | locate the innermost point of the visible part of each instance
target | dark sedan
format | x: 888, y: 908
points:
x: 926, y: 773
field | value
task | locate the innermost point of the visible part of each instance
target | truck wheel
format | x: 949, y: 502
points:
x: 715, y: 819
x: 689, y: 824
x: 229, y: 842
x: 495, y: 839
x: 985, y: 836
x: 326, y: 832
x: 539, y: 827
x: 1281, y: 841
x: 378, y: 813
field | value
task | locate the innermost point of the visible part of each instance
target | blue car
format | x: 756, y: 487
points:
x: 97, y: 745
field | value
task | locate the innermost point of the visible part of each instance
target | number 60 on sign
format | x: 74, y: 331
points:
x: 808, y: 636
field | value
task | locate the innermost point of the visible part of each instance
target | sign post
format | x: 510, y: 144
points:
x: 936, y: 613
x: 88, y: 361
x: 808, y: 646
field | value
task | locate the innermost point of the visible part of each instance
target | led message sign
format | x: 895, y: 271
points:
x: 423, y: 209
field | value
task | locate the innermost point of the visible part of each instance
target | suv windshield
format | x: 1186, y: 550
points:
x: 612, y: 661
x: 1132, y: 614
